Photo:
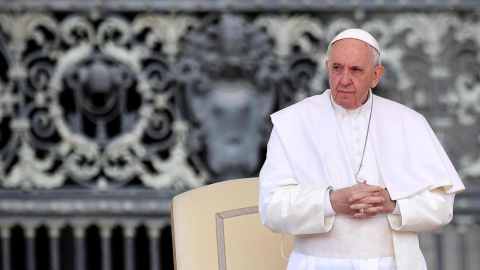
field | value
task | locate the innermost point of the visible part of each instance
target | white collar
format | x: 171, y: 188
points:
x: 340, y: 112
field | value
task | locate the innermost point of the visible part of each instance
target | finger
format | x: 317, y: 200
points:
x: 366, y: 189
x: 359, y: 206
x: 369, y: 188
x: 373, y: 210
x: 360, y: 215
x: 371, y: 200
x: 384, y: 193
x: 363, y: 183
x: 360, y: 195
x: 363, y: 215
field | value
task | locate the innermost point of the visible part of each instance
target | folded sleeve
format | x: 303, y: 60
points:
x: 286, y: 206
x: 426, y: 211
x: 328, y: 208
x: 396, y: 210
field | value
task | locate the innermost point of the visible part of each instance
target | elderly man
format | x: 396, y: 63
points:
x: 354, y: 177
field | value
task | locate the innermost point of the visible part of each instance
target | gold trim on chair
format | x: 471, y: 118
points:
x: 219, y: 217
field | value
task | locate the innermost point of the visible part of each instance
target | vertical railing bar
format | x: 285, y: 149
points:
x: 128, y: 234
x: 462, y: 229
x: 439, y: 248
x: 30, y: 247
x: 79, y: 233
x: 54, y: 234
x: 129, y: 258
x: 6, y: 248
x: 463, y: 255
x: 153, y: 234
x: 106, y: 234
x: 464, y: 223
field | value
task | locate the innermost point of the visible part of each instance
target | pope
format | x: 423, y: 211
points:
x: 353, y: 176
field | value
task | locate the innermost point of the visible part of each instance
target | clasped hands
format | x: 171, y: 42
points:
x: 372, y: 199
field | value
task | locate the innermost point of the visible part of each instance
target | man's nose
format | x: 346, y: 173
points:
x: 345, y: 78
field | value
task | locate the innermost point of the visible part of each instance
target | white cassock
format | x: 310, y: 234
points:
x: 316, y: 145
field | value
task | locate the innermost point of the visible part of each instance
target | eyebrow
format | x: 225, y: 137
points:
x: 338, y: 64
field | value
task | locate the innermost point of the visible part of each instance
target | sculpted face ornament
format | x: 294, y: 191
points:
x: 101, y: 88
x: 99, y: 82
x: 229, y: 79
x: 229, y: 116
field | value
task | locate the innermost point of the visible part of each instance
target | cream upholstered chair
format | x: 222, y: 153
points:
x: 218, y: 227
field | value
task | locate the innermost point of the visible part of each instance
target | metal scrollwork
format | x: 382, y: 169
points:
x: 97, y: 109
x: 174, y: 101
x: 108, y: 109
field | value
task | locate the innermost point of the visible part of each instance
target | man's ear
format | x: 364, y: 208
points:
x: 326, y: 64
x: 377, y: 74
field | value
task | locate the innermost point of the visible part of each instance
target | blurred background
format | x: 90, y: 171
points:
x: 109, y: 108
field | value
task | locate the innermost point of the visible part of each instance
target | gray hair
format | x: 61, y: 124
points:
x: 375, y: 56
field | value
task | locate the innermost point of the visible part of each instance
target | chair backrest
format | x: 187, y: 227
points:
x: 218, y: 227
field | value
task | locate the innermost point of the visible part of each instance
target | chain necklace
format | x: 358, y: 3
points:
x: 365, y: 144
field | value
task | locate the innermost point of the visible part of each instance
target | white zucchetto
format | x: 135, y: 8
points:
x: 357, y: 34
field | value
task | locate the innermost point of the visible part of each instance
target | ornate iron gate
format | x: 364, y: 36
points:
x: 110, y: 108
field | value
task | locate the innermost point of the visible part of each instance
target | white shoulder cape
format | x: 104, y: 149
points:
x: 409, y: 155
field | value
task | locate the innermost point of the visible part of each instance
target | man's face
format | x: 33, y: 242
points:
x: 351, y: 72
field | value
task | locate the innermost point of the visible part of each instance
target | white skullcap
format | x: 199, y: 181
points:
x: 357, y: 34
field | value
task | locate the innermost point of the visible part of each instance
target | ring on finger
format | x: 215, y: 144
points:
x: 361, y: 211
